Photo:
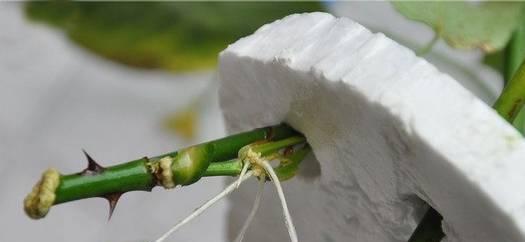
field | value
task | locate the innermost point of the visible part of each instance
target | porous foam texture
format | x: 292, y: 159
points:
x: 388, y: 131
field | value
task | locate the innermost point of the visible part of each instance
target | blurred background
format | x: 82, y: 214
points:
x: 127, y: 80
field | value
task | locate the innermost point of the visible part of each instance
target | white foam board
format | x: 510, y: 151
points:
x: 388, y: 131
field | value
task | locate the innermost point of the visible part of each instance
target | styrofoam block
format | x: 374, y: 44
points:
x: 388, y: 131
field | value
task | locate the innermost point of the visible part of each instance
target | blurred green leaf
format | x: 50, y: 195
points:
x: 515, y: 51
x: 184, y: 122
x: 484, y: 25
x: 176, y: 36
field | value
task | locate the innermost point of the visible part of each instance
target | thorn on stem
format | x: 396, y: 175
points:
x: 93, y: 167
x: 112, y: 199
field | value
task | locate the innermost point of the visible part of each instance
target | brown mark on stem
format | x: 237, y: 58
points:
x: 515, y: 108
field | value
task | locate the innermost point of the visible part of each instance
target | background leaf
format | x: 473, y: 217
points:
x: 174, y: 36
x: 485, y: 25
x: 184, y: 122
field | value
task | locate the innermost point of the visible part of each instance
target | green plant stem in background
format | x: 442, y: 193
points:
x: 511, y: 100
x: 427, y: 48
x: 513, y: 94
x: 514, y: 55
x: 514, y: 52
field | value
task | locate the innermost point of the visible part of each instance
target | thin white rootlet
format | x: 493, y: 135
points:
x: 245, y: 167
x: 255, y: 207
x: 287, y: 218
x: 245, y: 175
x: 205, y: 206
x: 388, y: 129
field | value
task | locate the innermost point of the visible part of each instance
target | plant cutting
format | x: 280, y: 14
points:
x: 245, y: 155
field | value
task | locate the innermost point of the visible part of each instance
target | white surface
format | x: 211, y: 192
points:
x: 56, y: 99
x: 386, y: 127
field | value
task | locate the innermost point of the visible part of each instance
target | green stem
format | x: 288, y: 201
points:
x: 514, y: 52
x: 130, y: 176
x: 226, y: 148
x: 428, y: 47
x: 514, y: 55
x: 183, y: 167
x: 285, y: 170
x: 270, y: 147
x: 288, y: 169
x: 510, y: 102
x: 512, y: 98
x: 227, y: 168
x: 234, y: 167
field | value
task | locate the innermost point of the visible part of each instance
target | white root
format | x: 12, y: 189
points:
x: 205, y: 206
x: 245, y: 167
x: 251, y: 159
x: 255, y: 207
x: 287, y: 218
